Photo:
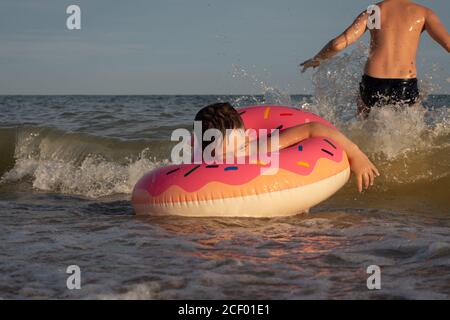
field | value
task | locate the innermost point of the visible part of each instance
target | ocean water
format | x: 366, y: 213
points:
x: 68, y: 165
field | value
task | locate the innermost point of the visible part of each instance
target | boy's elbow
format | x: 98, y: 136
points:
x: 338, y: 44
x: 316, y: 129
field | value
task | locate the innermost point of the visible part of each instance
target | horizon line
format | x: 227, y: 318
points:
x: 145, y: 94
x: 164, y: 94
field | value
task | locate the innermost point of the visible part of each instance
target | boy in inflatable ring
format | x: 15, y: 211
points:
x: 223, y: 116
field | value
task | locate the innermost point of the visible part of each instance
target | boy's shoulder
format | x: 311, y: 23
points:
x: 412, y: 7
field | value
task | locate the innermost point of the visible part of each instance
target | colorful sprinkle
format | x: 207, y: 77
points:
x: 285, y: 114
x: 303, y: 164
x: 326, y: 151
x: 172, y: 171
x: 231, y: 168
x: 300, y: 148
x: 328, y: 141
x: 266, y: 113
x: 192, y: 170
x: 212, y: 166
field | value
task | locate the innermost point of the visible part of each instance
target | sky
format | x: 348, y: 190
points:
x: 179, y: 46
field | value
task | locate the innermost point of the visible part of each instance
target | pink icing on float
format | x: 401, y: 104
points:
x: 309, y: 172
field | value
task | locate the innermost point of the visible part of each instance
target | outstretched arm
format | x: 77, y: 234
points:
x: 436, y: 30
x: 361, y: 166
x: 348, y: 37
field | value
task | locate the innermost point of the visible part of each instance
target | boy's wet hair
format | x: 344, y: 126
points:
x: 220, y: 116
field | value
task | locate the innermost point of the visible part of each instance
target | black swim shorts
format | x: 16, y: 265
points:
x: 379, y: 92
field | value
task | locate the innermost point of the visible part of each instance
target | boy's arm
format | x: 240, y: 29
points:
x: 348, y: 37
x: 436, y: 30
x: 361, y: 166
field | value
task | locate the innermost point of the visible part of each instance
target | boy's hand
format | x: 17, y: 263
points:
x: 311, y: 63
x: 364, y: 170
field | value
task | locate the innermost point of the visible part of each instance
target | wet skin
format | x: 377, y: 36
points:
x: 393, y: 47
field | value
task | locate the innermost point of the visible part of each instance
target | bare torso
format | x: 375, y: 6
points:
x: 393, y: 47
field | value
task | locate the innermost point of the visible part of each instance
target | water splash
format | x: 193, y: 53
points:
x: 336, y: 85
x: 389, y: 131
x: 272, y: 94
x: 408, y: 144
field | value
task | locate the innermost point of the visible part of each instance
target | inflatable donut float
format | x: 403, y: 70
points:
x: 308, y: 173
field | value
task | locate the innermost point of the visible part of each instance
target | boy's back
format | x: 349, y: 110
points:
x: 394, y: 46
x: 390, y: 74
